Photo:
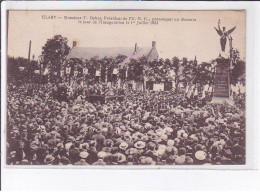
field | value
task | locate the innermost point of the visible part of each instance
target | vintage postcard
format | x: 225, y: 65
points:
x: 126, y: 88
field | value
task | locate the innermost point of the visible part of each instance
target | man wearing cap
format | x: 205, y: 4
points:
x: 83, y: 155
x: 74, y: 154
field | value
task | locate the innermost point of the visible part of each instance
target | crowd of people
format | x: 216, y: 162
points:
x: 240, y: 100
x: 145, y: 128
x: 64, y: 92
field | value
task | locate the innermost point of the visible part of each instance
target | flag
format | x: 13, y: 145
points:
x: 210, y: 89
x: 115, y: 71
x: 173, y: 85
x: 158, y: 87
x: 85, y: 71
x: 98, y: 73
x: 187, y: 89
x: 196, y: 92
x: 67, y: 70
x: 203, y: 94
x: 46, y: 71
x: 61, y: 73
x: 21, y: 68
x: 190, y: 91
x: 81, y: 83
x: 206, y: 87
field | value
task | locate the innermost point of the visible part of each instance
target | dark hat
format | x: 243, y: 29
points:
x: 49, y: 159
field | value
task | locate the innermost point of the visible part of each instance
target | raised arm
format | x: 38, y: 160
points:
x: 219, y: 25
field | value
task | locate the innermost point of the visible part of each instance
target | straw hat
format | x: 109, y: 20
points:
x: 200, y: 155
x: 189, y: 160
x: 176, y: 140
x: 68, y: 145
x: 185, y: 135
x: 120, y: 157
x: 34, y: 145
x: 169, y: 149
x: 84, y: 146
x: 160, y: 152
x: 101, y: 154
x: 123, y: 145
x: 60, y: 145
x: 49, y: 159
x: 162, y: 147
x: 164, y: 137
x: 83, y: 154
x: 13, y: 154
x: 168, y: 129
x: 148, y: 126
x: 170, y: 142
x: 137, y: 136
x: 139, y: 144
x: 180, y: 160
x: 149, y: 161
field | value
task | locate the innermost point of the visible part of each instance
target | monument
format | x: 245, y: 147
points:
x: 222, y: 78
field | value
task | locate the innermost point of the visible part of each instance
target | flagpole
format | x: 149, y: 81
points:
x: 40, y: 80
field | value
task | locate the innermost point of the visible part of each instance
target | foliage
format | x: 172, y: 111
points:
x: 20, y: 69
x: 136, y: 69
x: 176, y: 70
x: 55, y: 52
x: 238, y: 70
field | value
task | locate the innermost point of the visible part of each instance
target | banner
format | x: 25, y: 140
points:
x: 21, y: 68
x: 158, y: 87
x: 37, y: 71
x: 98, y: 73
x: 203, y: 94
x: 115, y: 71
x: 196, y: 91
x: 85, y: 71
x: 46, y: 71
x: 187, y: 89
x: 67, y: 70
x: 61, y: 73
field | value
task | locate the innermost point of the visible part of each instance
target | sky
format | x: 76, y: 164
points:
x: 176, y: 38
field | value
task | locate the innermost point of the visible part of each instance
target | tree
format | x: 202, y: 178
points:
x: 20, y: 69
x: 176, y: 67
x: 30, y: 68
x: 238, y: 69
x: 13, y: 65
x: 120, y: 58
x: 54, y: 52
x: 136, y: 69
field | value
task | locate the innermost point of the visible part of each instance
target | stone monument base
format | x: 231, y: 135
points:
x: 222, y: 100
x: 221, y: 82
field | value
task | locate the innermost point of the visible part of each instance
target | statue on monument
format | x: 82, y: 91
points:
x: 224, y: 35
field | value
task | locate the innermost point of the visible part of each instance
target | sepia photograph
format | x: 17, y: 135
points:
x: 126, y: 88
